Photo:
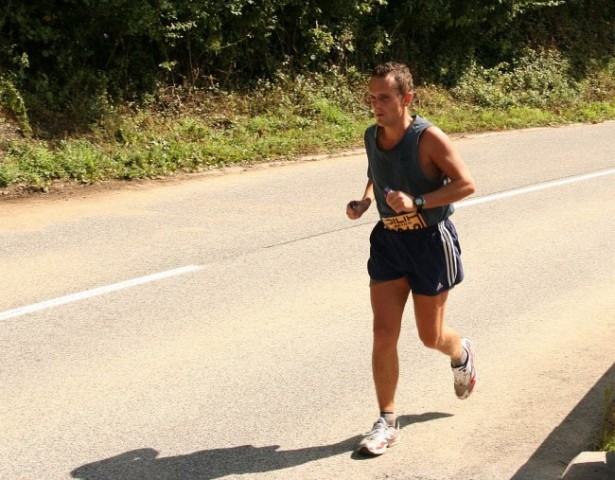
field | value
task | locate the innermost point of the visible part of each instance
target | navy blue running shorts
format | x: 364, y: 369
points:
x: 430, y: 258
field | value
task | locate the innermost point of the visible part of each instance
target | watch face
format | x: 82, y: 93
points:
x: 419, y: 202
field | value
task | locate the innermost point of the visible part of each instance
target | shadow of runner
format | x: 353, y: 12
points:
x: 144, y: 464
x: 577, y: 432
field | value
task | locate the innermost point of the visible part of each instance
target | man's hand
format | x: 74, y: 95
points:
x: 357, y: 208
x: 400, y: 202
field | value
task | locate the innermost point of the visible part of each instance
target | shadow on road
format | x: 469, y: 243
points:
x: 577, y: 432
x: 144, y: 464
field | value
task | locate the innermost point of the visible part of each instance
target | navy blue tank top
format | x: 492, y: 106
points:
x: 399, y: 169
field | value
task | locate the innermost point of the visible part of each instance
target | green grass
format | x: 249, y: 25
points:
x: 147, y: 143
x: 180, y: 132
x: 606, y: 440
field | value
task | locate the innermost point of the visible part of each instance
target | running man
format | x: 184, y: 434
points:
x: 414, y: 176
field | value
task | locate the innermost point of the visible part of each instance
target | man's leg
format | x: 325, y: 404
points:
x: 429, y: 313
x: 388, y: 302
x: 429, y: 316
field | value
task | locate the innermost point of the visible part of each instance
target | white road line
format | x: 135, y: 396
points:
x: 54, y: 302
x: 17, y: 312
x: 532, y: 188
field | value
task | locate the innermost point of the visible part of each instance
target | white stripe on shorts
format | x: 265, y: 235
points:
x: 449, y: 253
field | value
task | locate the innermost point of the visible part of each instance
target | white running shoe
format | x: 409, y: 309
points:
x: 465, y: 375
x: 379, y: 438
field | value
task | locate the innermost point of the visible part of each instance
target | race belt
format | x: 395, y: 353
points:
x: 407, y: 221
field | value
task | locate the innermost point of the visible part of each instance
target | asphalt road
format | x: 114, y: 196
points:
x: 219, y: 326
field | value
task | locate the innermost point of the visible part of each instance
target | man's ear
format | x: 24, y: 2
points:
x: 407, y: 98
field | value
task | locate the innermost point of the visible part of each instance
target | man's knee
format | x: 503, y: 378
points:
x: 385, y: 336
x: 431, y: 339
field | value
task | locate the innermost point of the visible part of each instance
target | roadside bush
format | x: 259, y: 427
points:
x: 599, y: 84
x: 35, y: 163
x: 606, y: 438
x: 13, y: 104
x: 8, y: 174
x: 82, y: 161
x: 539, y: 79
x: 543, y: 78
x: 189, y: 130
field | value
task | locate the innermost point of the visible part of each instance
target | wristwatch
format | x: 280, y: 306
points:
x: 419, y: 202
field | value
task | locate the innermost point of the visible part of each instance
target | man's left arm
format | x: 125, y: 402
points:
x: 440, y: 157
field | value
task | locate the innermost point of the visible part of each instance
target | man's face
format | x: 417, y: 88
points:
x: 388, y: 104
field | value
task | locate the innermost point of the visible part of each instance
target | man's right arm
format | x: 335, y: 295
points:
x: 356, y: 208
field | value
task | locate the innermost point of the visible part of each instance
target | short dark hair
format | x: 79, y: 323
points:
x: 400, y: 72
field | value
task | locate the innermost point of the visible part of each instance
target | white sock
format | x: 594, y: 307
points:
x: 389, y: 417
x: 462, y: 360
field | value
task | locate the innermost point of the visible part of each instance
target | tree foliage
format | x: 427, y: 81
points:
x: 75, y: 56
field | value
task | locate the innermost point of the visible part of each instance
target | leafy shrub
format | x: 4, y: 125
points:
x: 12, y: 102
x: 35, y: 163
x: 599, y: 84
x: 8, y: 174
x: 82, y: 161
x: 538, y: 79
